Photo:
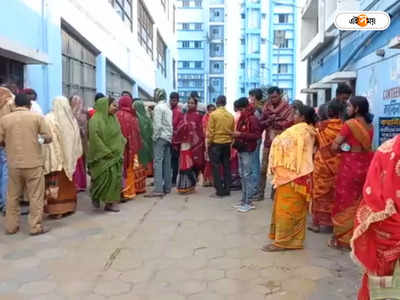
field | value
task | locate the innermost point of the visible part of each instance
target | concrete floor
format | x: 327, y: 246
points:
x: 180, y: 247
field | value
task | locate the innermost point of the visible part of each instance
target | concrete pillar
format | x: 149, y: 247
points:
x: 101, y: 74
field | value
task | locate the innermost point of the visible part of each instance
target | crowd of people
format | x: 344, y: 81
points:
x: 319, y: 161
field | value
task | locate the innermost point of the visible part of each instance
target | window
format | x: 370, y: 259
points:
x: 242, y: 41
x: 185, y: 3
x: 197, y: 3
x: 161, y: 55
x: 283, y: 18
x: 263, y: 41
x: 185, y: 26
x: 198, y: 26
x: 124, y: 10
x: 285, y: 44
x: 242, y: 65
x: 174, y: 19
x: 216, y: 13
x: 242, y: 90
x: 186, y: 64
x: 198, y: 65
x: 198, y: 44
x: 145, y: 30
x: 174, y: 72
x: 282, y: 68
x: 185, y: 44
x: 243, y: 16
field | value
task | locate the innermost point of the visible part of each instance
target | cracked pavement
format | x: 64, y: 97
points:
x: 179, y: 247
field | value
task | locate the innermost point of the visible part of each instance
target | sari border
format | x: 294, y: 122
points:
x: 362, y: 135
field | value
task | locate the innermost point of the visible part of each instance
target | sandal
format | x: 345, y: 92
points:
x: 314, y: 228
x: 273, y: 248
x: 333, y: 243
x: 111, y: 208
x: 42, y: 231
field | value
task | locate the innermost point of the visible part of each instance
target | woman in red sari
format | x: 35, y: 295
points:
x: 190, y: 136
x: 207, y: 174
x: 131, y: 131
x: 355, y: 142
x: 376, y: 240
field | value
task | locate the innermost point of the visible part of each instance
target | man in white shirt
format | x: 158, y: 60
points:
x: 32, y: 96
x: 162, y: 138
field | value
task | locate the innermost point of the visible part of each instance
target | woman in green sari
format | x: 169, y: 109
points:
x: 105, y: 157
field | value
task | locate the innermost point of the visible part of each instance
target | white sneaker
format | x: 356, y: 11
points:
x: 244, y: 209
x: 252, y: 206
x: 239, y: 205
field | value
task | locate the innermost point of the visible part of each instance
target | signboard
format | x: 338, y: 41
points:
x: 388, y: 128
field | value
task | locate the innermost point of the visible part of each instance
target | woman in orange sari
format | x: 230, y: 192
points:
x: 355, y: 142
x: 291, y: 166
x: 326, y: 164
x: 376, y: 239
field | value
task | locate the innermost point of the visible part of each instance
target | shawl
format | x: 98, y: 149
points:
x: 81, y: 116
x: 130, y: 130
x: 53, y: 152
x: 275, y: 120
x: 70, y: 137
x: 190, y: 130
x: 106, y: 142
x: 291, y: 154
x: 376, y: 238
x: 6, y: 101
x: 146, y: 133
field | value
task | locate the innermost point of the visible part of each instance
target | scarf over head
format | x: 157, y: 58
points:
x: 106, y: 142
x: 130, y: 130
x: 81, y: 115
x: 66, y: 132
x: 146, y: 133
x: 291, y: 154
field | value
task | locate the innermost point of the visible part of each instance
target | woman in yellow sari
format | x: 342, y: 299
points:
x: 291, y: 166
x: 326, y: 164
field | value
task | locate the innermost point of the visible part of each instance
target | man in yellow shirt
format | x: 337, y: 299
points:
x: 221, y: 126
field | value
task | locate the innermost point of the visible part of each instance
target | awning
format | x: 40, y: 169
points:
x: 339, y: 77
x: 320, y: 86
x: 18, y: 52
x: 309, y: 91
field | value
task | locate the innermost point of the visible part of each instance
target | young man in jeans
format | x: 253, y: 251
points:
x: 162, y: 138
x: 221, y: 126
x: 246, y: 135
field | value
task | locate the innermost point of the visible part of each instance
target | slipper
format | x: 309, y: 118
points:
x: 314, y: 229
x: 335, y: 245
x: 12, y: 232
x: 42, y: 231
x: 273, y: 248
x: 111, y: 209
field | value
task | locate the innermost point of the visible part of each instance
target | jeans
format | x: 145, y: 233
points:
x: 174, y: 164
x: 256, y: 171
x: 246, y: 174
x: 162, y: 166
x: 3, y: 178
x: 220, y: 154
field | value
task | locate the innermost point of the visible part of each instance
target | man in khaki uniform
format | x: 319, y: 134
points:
x: 21, y: 131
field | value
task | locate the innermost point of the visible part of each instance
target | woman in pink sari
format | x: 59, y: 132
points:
x: 81, y: 116
x: 355, y: 142
x: 190, y: 136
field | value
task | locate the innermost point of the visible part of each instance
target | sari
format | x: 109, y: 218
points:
x: 146, y: 134
x: 61, y: 157
x: 80, y: 176
x: 131, y: 131
x: 190, y: 136
x: 236, y: 183
x: 207, y: 174
x: 326, y: 164
x: 350, y: 180
x: 105, y: 155
x: 274, y: 121
x: 291, y: 166
x: 376, y: 239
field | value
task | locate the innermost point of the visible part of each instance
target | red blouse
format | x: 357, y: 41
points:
x: 350, y: 139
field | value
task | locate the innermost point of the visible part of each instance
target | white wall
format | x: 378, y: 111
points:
x: 301, y: 65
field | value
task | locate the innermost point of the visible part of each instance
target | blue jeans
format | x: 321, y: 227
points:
x: 256, y: 171
x: 3, y: 178
x: 246, y: 173
x: 162, y: 166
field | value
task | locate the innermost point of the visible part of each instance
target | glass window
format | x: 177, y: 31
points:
x: 145, y: 29
x: 198, y: 26
x: 185, y: 26
x: 197, y: 3
x: 242, y: 41
x: 186, y: 65
x: 186, y: 3
x: 283, y: 18
x: 242, y: 65
x: 198, y: 44
x: 124, y: 10
x: 282, y: 68
x: 185, y: 44
x: 161, y: 55
x: 198, y: 65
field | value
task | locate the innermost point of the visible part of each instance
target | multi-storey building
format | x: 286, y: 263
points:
x: 268, y: 45
x: 83, y: 47
x: 368, y: 61
x: 201, y: 50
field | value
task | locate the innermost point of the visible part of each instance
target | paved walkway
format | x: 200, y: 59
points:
x: 181, y: 247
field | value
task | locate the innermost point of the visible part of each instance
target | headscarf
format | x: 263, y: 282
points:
x: 81, y: 116
x: 160, y: 95
x: 130, y: 130
x: 106, y: 142
x: 6, y: 101
x: 146, y: 133
x: 69, y: 135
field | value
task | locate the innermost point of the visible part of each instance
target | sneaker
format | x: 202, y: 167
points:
x: 244, y: 208
x: 252, y: 206
x: 238, y: 205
